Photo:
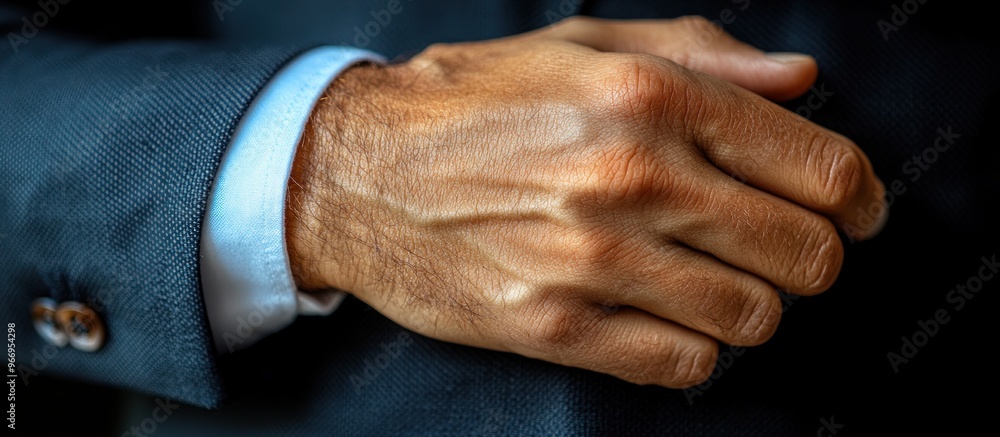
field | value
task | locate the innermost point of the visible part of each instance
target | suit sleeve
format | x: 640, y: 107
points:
x: 107, y: 156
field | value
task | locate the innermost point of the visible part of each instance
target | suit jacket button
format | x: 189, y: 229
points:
x: 82, y: 325
x: 43, y: 317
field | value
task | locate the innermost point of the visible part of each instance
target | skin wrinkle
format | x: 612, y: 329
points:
x: 769, y: 319
x: 502, y: 194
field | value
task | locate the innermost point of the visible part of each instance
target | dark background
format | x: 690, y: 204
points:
x: 829, y: 357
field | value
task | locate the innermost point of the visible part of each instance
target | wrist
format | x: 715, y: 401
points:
x: 301, y: 214
x: 317, y: 220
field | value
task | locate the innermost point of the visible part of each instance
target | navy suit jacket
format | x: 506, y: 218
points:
x: 114, y: 121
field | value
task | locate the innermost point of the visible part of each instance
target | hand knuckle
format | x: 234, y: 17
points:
x: 557, y: 326
x: 634, y: 86
x: 694, y: 367
x: 661, y: 360
x: 759, y: 319
x: 718, y: 305
x: 575, y: 23
x: 821, y: 259
x: 843, y: 171
x: 436, y: 50
x: 742, y: 314
x: 650, y: 358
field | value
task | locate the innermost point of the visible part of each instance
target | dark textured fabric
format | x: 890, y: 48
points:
x: 354, y: 374
x: 349, y: 374
x: 107, y: 156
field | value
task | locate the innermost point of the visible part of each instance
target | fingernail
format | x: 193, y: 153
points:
x: 789, y: 57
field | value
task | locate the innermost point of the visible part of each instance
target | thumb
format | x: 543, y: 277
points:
x: 699, y: 45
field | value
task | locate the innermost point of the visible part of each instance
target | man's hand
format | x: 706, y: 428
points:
x: 572, y: 195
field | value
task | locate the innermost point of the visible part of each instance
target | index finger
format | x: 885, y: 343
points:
x: 768, y: 147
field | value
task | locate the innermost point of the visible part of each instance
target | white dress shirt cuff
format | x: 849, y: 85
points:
x: 246, y: 278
